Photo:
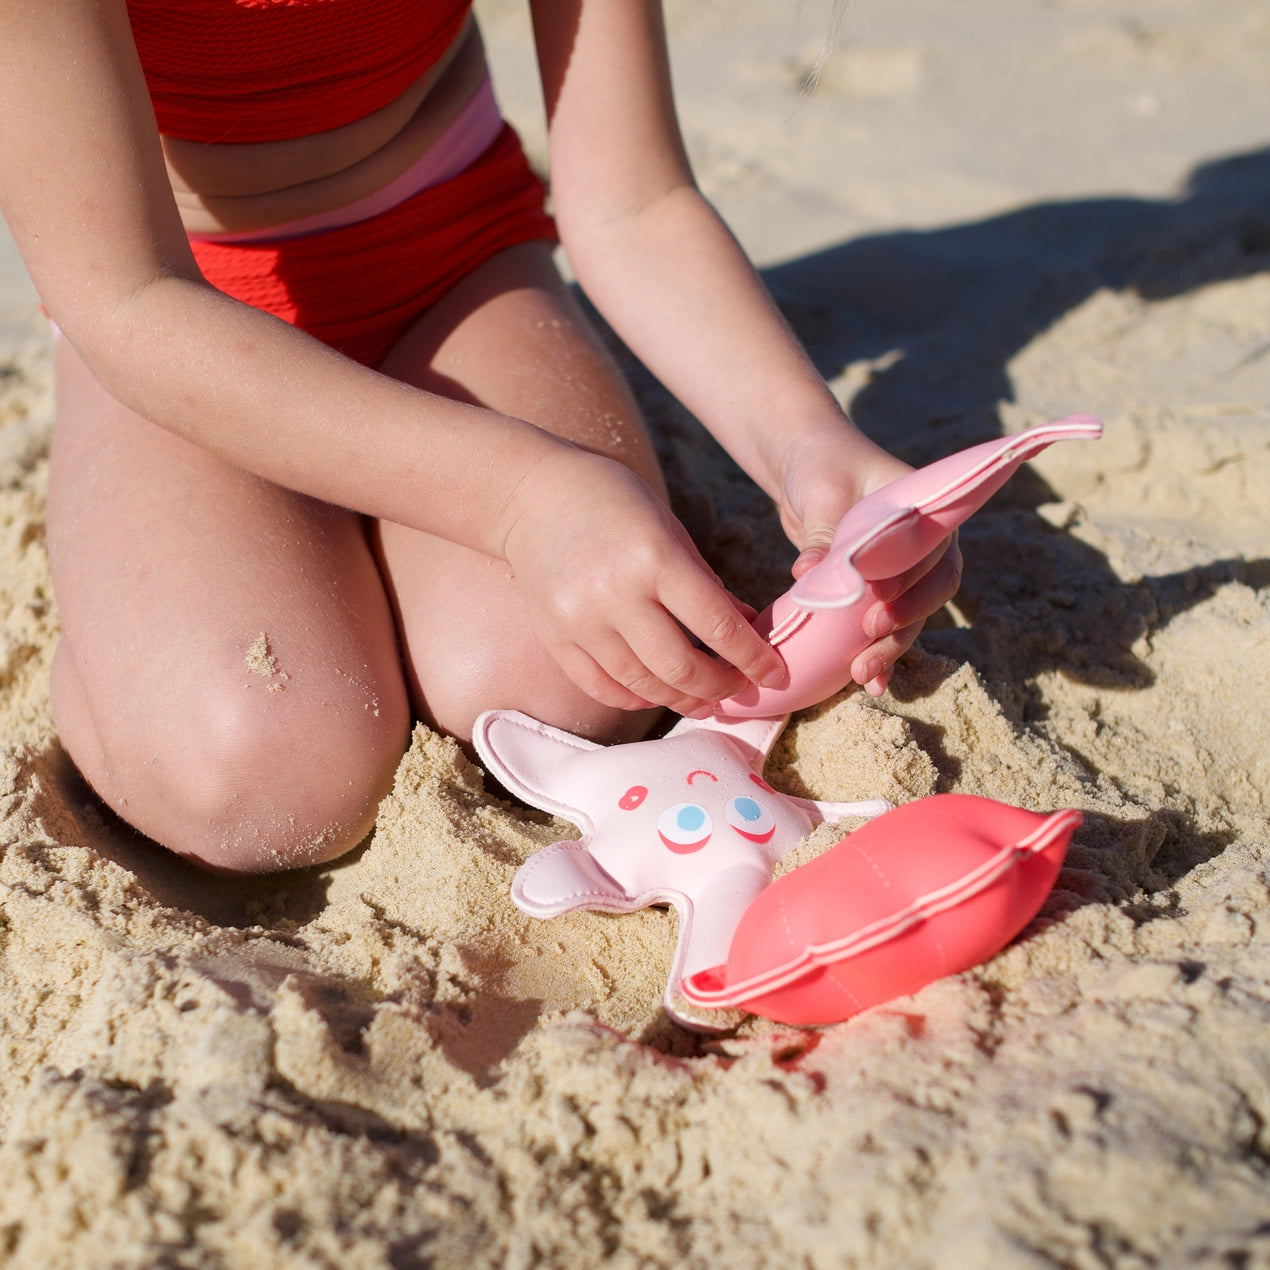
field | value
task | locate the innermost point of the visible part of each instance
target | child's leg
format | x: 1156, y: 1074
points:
x: 169, y: 566
x: 510, y: 337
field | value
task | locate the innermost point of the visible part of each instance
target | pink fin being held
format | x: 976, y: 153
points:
x: 817, y: 625
x: 930, y: 889
x: 897, y: 525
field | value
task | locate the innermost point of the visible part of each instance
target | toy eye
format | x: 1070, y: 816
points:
x: 685, y: 828
x: 751, y: 819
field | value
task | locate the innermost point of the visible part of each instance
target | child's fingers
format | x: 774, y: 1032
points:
x: 815, y: 547
x: 946, y: 558
x: 658, y: 666
x: 872, y: 668
x: 706, y: 610
x: 897, y: 624
x: 668, y: 669
x: 877, y: 685
x: 917, y: 593
x: 596, y: 682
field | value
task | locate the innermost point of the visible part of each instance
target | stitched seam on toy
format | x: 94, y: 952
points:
x: 863, y: 853
x: 830, y: 977
x: 556, y: 734
x: 536, y: 863
x: 1044, y: 834
x: 536, y: 789
x: 879, y: 932
x: 789, y: 935
x: 842, y: 987
x: 1027, y: 445
x: 789, y: 626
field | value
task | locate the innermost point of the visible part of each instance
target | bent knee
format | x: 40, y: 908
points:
x: 249, y: 782
x: 272, y: 786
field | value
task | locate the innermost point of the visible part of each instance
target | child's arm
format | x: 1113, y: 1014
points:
x: 84, y: 189
x: 664, y: 270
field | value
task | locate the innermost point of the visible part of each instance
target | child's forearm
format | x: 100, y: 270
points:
x: 276, y: 402
x: 675, y: 285
x: 611, y: 585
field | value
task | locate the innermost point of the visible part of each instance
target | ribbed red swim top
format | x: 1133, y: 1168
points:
x: 266, y: 70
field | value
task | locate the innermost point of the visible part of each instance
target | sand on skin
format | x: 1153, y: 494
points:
x: 986, y: 216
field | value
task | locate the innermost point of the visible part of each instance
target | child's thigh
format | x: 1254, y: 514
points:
x: 228, y: 676
x: 513, y: 338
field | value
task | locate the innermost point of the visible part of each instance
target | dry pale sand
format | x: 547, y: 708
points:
x: 988, y: 213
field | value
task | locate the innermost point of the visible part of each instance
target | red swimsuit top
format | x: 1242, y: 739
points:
x: 268, y: 70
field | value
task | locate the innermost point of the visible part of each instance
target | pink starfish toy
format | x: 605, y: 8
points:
x: 925, y: 890
x: 686, y: 820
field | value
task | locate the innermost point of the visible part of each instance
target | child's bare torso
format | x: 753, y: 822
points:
x: 239, y: 187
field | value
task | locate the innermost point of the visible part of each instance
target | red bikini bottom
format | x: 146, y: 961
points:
x: 358, y: 287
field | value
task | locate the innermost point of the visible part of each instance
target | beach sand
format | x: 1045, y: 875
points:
x: 985, y: 215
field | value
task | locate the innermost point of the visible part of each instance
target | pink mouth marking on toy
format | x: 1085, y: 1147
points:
x: 924, y: 890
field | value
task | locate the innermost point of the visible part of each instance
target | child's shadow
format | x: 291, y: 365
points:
x: 941, y: 313
x: 946, y: 309
x: 70, y: 813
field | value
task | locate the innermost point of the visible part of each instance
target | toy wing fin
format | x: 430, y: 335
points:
x: 564, y: 877
x: 896, y: 526
x: 527, y: 757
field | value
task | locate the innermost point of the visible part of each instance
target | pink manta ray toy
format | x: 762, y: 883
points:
x: 924, y: 890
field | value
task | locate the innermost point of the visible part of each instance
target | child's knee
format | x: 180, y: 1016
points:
x: 272, y: 788
x: 246, y: 781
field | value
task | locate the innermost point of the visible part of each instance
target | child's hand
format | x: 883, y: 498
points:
x: 615, y: 587
x: 829, y: 471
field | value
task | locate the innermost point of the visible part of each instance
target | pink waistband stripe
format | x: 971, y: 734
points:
x: 468, y: 135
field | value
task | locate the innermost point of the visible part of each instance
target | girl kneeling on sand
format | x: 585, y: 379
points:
x: 320, y: 379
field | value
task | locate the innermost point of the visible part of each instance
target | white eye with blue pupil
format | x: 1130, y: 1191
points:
x: 751, y: 819
x: 685, y: 826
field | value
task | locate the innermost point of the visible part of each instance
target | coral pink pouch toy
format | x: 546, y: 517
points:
x: 924, y: 890
x: 929, y: 889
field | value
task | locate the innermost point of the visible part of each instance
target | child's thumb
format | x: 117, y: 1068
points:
x: 815, y: 546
